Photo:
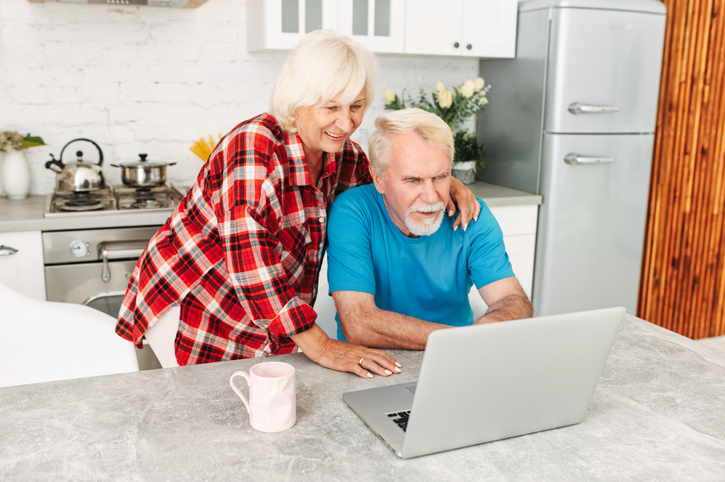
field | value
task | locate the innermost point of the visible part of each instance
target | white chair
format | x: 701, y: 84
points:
x: 161, y: 337
x: 45, y: 341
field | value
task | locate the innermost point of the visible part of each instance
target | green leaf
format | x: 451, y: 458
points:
x: 32, y: 141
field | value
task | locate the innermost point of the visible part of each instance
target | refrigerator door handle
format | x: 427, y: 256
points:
x: 575, y: 159
x: 578, y: 108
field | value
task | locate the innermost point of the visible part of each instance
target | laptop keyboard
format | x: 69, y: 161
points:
x: 400, y: 418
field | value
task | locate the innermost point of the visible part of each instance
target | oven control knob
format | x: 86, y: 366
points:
x: 79, y: 248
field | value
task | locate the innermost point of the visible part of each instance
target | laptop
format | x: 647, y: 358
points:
x: 490, y: 382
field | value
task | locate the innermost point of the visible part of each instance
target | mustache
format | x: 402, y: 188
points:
x: 426, y: 208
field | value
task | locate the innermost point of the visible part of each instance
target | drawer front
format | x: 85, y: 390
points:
x: 516, y: 220
x: 21, y: 263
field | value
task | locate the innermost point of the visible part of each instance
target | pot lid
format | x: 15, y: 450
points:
x: 143, y: 162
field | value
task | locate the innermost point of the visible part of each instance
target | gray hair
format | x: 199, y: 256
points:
x: 323, y: 65
x: 429, y: 126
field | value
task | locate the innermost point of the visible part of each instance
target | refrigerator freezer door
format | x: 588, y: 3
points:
x: 604, y: 71
x: 591, y: 223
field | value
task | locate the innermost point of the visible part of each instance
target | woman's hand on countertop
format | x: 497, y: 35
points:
x: 344, y: 357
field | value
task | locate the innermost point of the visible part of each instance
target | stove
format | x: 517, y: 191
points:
x: 117, y: 199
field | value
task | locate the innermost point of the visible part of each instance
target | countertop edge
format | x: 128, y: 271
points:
x: 27, y: 214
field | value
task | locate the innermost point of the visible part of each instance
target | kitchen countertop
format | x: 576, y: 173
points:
x: 27, y: 214
x: 658, y: 413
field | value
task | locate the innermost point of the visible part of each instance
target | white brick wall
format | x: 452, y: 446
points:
x: 150, y: 79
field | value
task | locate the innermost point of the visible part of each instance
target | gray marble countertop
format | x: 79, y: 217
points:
x: 658, y: 414
x: 27, y: 214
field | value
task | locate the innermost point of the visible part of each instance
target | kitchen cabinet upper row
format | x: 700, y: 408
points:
x: 473, y: 28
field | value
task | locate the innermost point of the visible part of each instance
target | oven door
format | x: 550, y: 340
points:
x: 83, y: 284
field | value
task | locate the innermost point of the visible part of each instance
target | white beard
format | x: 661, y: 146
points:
x: 427, y: 226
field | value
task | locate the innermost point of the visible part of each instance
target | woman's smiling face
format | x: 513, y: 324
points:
x: 326, y: 128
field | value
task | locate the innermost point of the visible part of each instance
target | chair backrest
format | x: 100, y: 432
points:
x: 46, y: 341
x: 161, y: 337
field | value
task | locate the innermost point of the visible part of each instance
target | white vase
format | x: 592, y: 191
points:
x: 15, y: 175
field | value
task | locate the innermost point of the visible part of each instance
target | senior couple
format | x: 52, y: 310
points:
x: 241, y: 254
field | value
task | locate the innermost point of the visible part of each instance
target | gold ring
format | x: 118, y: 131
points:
x: 360, y: 362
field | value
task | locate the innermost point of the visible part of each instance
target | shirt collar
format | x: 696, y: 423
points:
x: 296, y: 159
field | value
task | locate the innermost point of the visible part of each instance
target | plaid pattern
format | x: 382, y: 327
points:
x: 241, y: 254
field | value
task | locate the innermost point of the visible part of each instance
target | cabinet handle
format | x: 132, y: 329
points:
x: 573, y: 159
x: 456, y: 45
x: 577, y: 108
x: 7, y: 250
x: 469, y: 46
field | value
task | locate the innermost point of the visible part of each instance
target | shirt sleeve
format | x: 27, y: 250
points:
x: 349, y: 254
x: 487, y: 260
x: 250, y: 213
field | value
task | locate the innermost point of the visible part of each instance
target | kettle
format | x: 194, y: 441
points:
x: 78, y: 176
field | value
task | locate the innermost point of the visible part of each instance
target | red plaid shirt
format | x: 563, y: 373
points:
x: 241, y: 254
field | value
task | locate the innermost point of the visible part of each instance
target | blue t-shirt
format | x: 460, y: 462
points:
x: 428, y: 277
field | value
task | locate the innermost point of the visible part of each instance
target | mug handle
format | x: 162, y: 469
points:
x: 239, y: 392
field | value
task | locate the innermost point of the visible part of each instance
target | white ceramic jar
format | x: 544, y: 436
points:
x: 15, y: 175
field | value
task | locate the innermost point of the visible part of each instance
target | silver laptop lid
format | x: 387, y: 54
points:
x: 484, y: 383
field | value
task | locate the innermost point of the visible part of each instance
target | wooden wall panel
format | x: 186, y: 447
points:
x: 683, y: 273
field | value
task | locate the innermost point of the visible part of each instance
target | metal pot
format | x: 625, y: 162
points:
x: 78, y: 176
x: 143, y: 173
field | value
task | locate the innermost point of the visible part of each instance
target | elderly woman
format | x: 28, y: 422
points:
x: 241, y: 254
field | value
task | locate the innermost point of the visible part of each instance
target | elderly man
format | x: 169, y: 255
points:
x: 397, y: 268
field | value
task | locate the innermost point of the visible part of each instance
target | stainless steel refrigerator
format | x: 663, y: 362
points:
x: 572, y: 118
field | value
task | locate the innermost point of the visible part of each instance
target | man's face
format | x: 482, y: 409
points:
x: 416, y: 184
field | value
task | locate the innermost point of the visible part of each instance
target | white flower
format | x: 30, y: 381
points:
x: 445, y: 99
x: 466, y: 90
x: 389, y: 96
x: 478, y: 84
x: 439, y: 87
x: 483, y: 100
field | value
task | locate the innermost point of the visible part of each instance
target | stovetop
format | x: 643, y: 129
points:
x: 112, y: 200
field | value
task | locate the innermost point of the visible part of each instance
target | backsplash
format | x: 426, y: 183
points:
x: 152, y: 80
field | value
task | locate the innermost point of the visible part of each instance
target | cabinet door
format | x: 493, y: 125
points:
x: 518, y: 224
x: 21, y: 263
x: 433, y: 27
x: 489, y: 28
x: 280, y: 24
x: 377, y: 24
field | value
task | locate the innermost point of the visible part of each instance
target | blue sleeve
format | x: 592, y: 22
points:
x: 487, y: 259
x: 349, y: 253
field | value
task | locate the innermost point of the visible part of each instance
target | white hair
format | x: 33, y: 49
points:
x: 429, y: 126
x: 323, y: 65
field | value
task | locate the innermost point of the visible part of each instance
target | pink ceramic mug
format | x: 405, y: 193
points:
x: 272, y: 403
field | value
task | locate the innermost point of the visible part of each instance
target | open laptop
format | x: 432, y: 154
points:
x: 489, y: 382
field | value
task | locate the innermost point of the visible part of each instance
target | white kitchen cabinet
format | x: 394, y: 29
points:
x: 518, y: 224
x: 280, y: 24
x: 377, y: 24
x: 21, y: 263
x: 471, y: 28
